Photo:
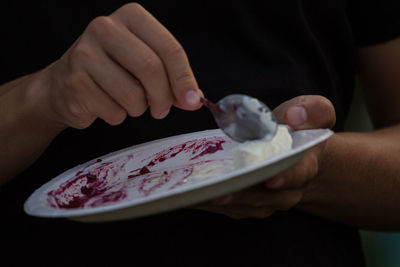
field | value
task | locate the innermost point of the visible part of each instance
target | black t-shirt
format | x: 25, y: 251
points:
x: 273, y: 50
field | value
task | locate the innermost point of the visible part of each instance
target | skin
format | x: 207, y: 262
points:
x: 352, y: 178
x: 121, y: 65
x: 127, y: 62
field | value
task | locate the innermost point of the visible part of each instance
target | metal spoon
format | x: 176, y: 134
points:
x: 243, y: 118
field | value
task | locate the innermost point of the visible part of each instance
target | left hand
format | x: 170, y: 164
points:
x: 285, y: 190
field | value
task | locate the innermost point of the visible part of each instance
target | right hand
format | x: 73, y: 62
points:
x: 119, y: 66
x: 285, y: 190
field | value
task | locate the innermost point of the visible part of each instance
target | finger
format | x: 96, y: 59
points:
x: 155, y: 35
x: 113, y: 79
x: 283, y: 199
x: 87, y: 101
x: 226, y: 199
x: 270, y: 199
x: 138, y: 59
x: 259, y: 197
x: 298, y: 175
x: 254, y: 196
x: 237, y: 211
x: 306, y: 112
x: 223, y: 200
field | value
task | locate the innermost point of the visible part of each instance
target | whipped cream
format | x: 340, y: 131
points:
x: 255, y: 151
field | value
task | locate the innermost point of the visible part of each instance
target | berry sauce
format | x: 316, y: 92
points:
x: 105, y: 182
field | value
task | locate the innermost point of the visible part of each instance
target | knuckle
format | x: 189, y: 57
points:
x: 77, y: 111
x: 77, y: 82
x: 132, y: 8
x: 101, y: 25
x: 182, y: 81
x: 184, y: 77
x: 301, y: 98
x: 152, y: 64
x: 81, y: 53
x: 78, y: 114
x: 331, y: 115
x: 173, y: 49
x: 327, y: 109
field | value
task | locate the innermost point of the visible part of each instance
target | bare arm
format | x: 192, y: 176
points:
x: 352, y: 178
x: 359, y: 179
x: 26, y: 127
x: 121, y: 65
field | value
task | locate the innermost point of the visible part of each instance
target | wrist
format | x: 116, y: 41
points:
x: 320, y: 191
x: 38, y: 105
x: 27, y: 126
x: 341, y: 190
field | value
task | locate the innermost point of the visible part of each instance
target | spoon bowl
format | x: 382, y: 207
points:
x: 243, y: 118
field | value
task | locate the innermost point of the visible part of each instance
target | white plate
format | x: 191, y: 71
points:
x: 158, y: 176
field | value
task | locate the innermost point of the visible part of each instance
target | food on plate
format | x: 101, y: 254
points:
x: 251, y: 152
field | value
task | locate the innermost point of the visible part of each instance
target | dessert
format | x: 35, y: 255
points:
x: 251, y: 152
x: 132, y: 175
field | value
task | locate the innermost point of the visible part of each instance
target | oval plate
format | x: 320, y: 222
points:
x: 159, y: 176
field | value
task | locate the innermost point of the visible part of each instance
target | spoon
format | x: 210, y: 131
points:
x: 243, y: 118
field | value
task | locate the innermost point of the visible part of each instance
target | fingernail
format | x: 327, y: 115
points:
x: 163, y: 115
x: 275, y: 182
x: 192, y: 98
x: 297, y: 115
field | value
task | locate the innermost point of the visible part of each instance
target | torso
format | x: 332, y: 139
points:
x: 273, y: 50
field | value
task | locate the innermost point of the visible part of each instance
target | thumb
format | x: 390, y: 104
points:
x: 306, y: 112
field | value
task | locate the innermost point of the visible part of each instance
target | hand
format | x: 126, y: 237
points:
x: 284, y: 190
x: 119, y: 66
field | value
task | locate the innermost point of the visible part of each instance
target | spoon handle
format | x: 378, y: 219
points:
x: 206, y: 102
x: 214, y: 108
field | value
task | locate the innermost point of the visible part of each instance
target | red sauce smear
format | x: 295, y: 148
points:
x: 104, y: 182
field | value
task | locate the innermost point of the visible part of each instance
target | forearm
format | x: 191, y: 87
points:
x: 359, y: 180
x: 26, y: 127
